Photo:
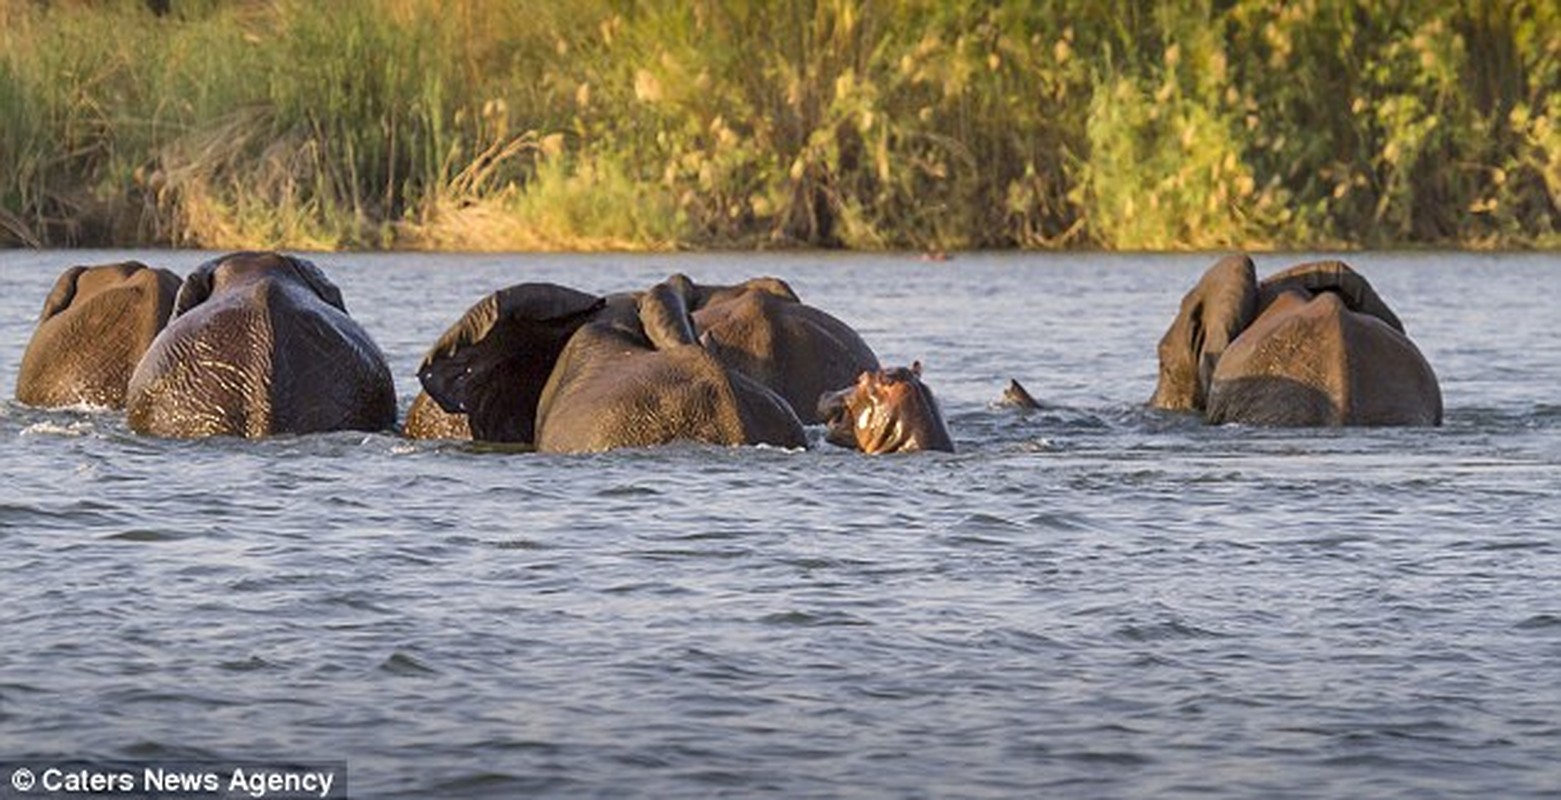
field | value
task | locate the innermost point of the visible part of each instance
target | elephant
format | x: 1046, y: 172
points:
x: 563, y: 371
x: 426, y: 420
x: 260, y: 343
x: 886, y: 411
x: 762, y: 329
x: 759, y: 328
x: 96, y: 324
x: 1313, y: 345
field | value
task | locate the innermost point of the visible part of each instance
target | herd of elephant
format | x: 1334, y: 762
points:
x: 257, y: 343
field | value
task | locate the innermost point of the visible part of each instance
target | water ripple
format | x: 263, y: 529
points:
x: 1092, y: 599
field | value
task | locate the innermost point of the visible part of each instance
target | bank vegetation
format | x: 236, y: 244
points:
x: 918, y: 124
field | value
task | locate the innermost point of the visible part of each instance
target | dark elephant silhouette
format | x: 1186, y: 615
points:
x: 260, y: 344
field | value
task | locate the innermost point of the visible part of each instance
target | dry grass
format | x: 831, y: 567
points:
x: 498, y: 125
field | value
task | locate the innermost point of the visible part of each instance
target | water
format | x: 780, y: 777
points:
x: 1087, y: 601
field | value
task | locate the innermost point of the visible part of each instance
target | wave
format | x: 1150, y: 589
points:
x: 53, y: 428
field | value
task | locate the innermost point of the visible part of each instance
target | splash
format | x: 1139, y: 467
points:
x: 51, y: 428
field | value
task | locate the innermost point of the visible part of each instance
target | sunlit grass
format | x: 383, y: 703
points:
x: 490, y: 124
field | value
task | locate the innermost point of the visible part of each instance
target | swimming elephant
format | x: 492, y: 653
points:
x: 96, y: 324
x: 886, y: 411
x: 260, y: 344
x: 762, y: 329
x: 759, y: 328
x: 1311, y: 345
x: 564, y: 371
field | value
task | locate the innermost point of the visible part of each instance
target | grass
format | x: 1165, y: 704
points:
x: 925, y: 124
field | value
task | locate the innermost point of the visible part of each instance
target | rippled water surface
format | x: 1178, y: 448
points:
x: 1086, y: 601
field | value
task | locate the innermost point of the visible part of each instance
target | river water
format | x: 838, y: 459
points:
x: 1091, y: 600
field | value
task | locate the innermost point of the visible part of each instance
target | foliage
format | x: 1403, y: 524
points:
x: 492, y: 124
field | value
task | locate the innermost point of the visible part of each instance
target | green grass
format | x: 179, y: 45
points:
x: 496, y: 124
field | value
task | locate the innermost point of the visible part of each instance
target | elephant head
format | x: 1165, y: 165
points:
x: 761, y: 329
x: 96, y: 324
x: 566, y: 371
x: 1312, y: 279
x: 1311, y: 345
x: 886, y: 411
x: 1212, y: 315
x: 251, y: 268
x: 492, y: 364
x: 260, y: 343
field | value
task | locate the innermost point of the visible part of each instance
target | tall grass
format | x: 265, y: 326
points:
x: 487, y: 124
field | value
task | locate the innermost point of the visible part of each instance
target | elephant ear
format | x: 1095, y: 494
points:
x: 664, y: 314
x: 315, y: 279
x: 196, y: 288
x: 692, y: 293
x: 493, y: 363
x: 1330, y: 276
x: 62, y: 294
x: 1212, y: 315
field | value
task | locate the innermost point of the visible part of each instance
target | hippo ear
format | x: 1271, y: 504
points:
x: 1330, y: 276
x: 62, y: 294
x: 493, y: 363
x: 1212, y: 315
x: 195, y: 289
x: 315, y: 279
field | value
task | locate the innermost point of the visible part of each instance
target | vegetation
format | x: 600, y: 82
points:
x: 929, y: 124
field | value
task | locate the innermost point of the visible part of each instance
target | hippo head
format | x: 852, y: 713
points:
x: 886, y: 411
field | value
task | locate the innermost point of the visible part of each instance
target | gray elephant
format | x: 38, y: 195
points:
x: 260, y: 344
x: 564, y: 371
x: 1312, y: 345
x: 96, y: 324
x: 762, y: 329
x: 886, y: 411
x: 758, y: 328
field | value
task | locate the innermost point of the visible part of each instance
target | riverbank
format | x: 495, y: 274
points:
x: 488, y: 125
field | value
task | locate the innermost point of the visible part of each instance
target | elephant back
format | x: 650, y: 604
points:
x: 261, y: 353
x: 327, y: 372
x: 1314, y: 361
x: 206, y: 374
x: 794, y: 349
x: 603, y: 395
x: 96, y: 324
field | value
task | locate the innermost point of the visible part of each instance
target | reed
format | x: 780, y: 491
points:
x: 928, y: 124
